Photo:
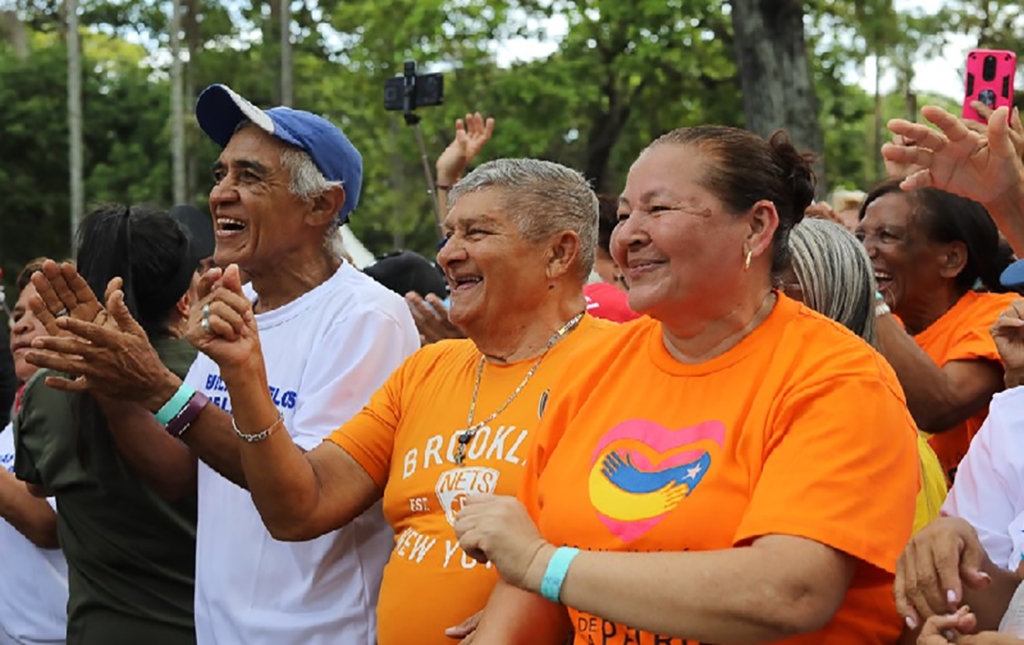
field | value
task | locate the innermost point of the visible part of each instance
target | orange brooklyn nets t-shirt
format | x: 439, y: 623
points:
x: 406, y: 437
x: 801, y: 429
x: 962, y: 334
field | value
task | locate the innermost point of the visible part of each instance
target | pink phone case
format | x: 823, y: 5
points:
x: 990, y: 74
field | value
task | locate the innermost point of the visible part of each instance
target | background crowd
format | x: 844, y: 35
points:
x: 702, y: 407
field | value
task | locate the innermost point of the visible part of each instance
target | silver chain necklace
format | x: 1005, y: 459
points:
x: 471, y: 429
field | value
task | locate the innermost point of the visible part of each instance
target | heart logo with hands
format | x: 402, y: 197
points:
x: 640, y: 471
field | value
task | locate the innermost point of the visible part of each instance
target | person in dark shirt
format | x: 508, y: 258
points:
x: 130, y: 553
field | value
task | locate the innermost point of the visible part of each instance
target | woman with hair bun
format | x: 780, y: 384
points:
x: 710, y: 472
x: 932, y: 253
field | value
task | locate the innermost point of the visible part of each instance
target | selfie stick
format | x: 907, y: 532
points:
x: 413, y: 120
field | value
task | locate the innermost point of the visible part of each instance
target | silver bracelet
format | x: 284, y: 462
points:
x: 261, y: 435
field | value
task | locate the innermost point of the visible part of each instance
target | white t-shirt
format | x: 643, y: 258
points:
x: 989, y: 487
x: 33, y: 581
x: 325, y: 354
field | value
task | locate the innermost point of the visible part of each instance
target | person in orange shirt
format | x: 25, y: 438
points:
x: 829, y: 271
x: 458, y: 417
x: 929, y: 249
x: 733, y: 467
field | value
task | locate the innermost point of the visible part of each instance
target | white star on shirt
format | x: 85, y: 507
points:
x: 693, y: 472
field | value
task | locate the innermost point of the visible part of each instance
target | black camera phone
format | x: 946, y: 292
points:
x: 411, y: 90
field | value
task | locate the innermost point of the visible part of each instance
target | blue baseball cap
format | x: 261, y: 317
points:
x: 1013, y: 275
x: 219, y: 111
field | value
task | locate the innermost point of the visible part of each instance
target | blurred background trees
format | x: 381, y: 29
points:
x: 585, y: 82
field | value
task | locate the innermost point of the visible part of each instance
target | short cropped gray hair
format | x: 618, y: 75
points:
x: 543, y: 198
x: 836, y: 276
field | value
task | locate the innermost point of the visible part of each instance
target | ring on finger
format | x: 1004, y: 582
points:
x: 62, y: 313
x: 205, y: 324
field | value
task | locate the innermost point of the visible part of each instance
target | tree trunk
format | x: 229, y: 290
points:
x: 604, y: 133
x: 272, y: 46
x: 75, y: 147
x: 879, y: 129
x: 775, y: 74
x: 177, y: 111
x: 193, y: 42
x: 286, y: 53
x: 14, y: 31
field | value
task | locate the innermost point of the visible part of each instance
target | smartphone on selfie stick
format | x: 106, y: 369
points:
x: 406, y: 93
x: 989, y: 79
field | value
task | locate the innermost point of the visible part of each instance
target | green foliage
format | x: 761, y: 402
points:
x: 126, y: 142
x: 622, y: 74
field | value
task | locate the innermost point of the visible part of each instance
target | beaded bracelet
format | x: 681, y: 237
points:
x: 262, y: 434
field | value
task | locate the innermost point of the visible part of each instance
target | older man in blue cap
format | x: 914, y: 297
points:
x: 329, y: 336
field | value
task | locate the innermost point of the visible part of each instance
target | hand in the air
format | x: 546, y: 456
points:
x: 471, y: 135
x: 431, y: 318
x: 110, y: 355
x: 953, y: 158
x: 222, y: 324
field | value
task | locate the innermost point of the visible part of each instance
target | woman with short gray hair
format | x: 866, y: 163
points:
x: 457, y: 417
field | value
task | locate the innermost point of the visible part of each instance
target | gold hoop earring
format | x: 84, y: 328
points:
x: 746, y: 263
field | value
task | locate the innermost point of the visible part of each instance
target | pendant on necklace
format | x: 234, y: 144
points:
x: 460, y: 451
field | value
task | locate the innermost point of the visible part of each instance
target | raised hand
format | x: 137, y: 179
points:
x: 1008, y: 332
x: 62, y: 291
x: 431, y: 318
x: 471, y: 135
x: 222, y: 324
x: 984, y: 168
x: 110, y: 356
x: 1016, y: 129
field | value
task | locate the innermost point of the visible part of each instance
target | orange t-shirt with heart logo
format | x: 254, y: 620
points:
x: 800, y: 429
x: 406, y: 438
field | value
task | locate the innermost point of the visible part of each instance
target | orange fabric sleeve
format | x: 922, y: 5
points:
x: 818, y: 481
x: 974, y: 343
x: 369, y: 436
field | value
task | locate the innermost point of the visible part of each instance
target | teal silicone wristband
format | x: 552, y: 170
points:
x: 176, y: 404
x: 558, y: 567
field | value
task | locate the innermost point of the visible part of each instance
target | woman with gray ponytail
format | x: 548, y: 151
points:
x: 830, y: 272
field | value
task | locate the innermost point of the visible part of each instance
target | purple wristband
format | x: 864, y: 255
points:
x: 188, y: 414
